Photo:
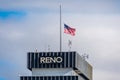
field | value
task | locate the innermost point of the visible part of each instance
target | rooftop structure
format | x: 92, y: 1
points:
x: 57, y: 66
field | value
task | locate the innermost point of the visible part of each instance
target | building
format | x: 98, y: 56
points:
x: 57, y: 66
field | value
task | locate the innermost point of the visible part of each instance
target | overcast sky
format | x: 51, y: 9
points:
x: 27, y: 25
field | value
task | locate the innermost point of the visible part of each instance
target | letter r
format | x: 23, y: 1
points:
x: 42, y: 60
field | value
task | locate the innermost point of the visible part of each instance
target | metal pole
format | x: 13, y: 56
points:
x: 60, y: 32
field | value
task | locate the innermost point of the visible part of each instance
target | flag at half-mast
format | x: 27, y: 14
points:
x: 69, y: 30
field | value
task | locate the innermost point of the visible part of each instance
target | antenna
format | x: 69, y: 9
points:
x: 36, y: 50
x: 48, y: 48
x: 85, y: 56
x: 69, y: 44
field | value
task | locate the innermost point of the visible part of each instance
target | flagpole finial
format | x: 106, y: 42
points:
x: 60, y: 4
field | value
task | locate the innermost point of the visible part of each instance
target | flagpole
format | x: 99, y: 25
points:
x: 60, y: 31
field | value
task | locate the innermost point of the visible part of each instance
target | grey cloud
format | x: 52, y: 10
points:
x: 84, y: 7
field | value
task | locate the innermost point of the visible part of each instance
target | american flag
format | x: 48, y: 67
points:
x: 69, y: 30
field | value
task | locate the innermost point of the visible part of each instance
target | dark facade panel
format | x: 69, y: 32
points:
x: 51, y: 60
x: 49, y: 78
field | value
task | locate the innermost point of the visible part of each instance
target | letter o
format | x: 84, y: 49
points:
x: 59, y: 59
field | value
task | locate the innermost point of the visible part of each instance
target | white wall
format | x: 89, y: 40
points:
x: 53, y: 72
